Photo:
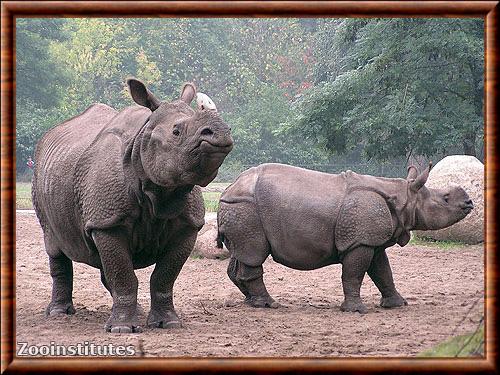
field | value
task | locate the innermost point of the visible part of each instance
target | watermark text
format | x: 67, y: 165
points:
x: 82, y: 349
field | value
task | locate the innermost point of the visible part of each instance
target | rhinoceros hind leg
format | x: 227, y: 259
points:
x: 262, y: 301
x: 246, y: 241
x: 232, y: 272
x: 61, y: 270
x: 250, y: 281
x: 393, y: 301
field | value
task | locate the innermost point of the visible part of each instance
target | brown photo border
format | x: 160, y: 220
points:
x: 488, y: 10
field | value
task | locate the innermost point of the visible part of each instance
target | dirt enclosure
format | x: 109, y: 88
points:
x: 442, y: 286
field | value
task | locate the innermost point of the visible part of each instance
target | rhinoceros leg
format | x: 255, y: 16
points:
x: 61, y: 270
x: 105, y: 282
x: 247, y: 243
x: 381, y: 274
x: 354, y: 266
x: 112, y: 245
x: 162, y: 314
x: 250, y: 281
x: 232, y: 272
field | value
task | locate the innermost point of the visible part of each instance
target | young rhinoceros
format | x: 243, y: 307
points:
x: 116, y: 190
x: 307, y: 220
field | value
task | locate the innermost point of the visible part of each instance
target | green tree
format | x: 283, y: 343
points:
x: 38, y: 77
x: 98, y: 56
x: 258, y: 135
x: 397, y: 86
x: 39, y: 82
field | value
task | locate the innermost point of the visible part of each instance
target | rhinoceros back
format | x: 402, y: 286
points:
x: 56, y: 156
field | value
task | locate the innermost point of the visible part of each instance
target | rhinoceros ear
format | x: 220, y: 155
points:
x: 142, y: 95
x: 412, y: 173
x: 421, y: 179
x: 188, y: 92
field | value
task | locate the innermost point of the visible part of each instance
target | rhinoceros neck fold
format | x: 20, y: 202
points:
x: 406, y: 217
x: 132, y: 166
x: 160, y: 201
x: 164, y: 203
x: 420, y: 222
x: 400, y: 200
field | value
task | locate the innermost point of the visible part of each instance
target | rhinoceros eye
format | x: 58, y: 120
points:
x: 176, y: 132
x: 446, y: 197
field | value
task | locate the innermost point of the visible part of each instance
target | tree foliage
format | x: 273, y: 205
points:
x: 290, y: 88
x: 397, y: 86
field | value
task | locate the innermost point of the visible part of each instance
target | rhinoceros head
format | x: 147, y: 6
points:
x: 181, y: 146
x: 437, y: 208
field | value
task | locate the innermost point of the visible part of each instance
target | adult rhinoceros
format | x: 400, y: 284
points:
x: 306, y: 220
x: 116, y: 190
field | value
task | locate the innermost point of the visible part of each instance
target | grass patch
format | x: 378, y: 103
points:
x: 444, y: 245
x: 23, y: 197
x: 220, y: 185
x: 470, y: 345
x: 211, y: 200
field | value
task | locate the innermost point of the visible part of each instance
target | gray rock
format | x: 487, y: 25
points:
x: 468, y: 172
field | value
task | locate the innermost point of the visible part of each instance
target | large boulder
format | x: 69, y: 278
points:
x: 468, y: 172
x: 206, y: 243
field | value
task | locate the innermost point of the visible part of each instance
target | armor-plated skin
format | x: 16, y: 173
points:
x: 116, y: 190
x: 306, y: 220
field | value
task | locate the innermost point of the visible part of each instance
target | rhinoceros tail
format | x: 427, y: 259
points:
x: 220, y: 240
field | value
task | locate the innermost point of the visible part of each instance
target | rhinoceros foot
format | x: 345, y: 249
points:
x: 122, y: 327
x: 393, y: 301
x: 167, y: 319
x: 125, y: 329
x: 54, y: 309
x: 122, y: 323
x: 353, y: 305
x: 262, y: 301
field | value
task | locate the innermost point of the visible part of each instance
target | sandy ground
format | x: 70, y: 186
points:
x: 444, y: 289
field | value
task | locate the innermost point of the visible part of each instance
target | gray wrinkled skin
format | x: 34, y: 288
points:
x: 307, y: 220
x: 116, y: 190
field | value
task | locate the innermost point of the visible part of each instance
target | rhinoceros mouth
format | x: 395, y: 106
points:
x: 207, y: 147
x: 467, y: 209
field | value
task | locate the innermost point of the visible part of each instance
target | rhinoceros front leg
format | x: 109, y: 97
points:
x: 61, y: 270
x: 381, y: 274
x: 120, y: 278
x: 354, y: 266
x: 105, y: 283
x: 162, y: 314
